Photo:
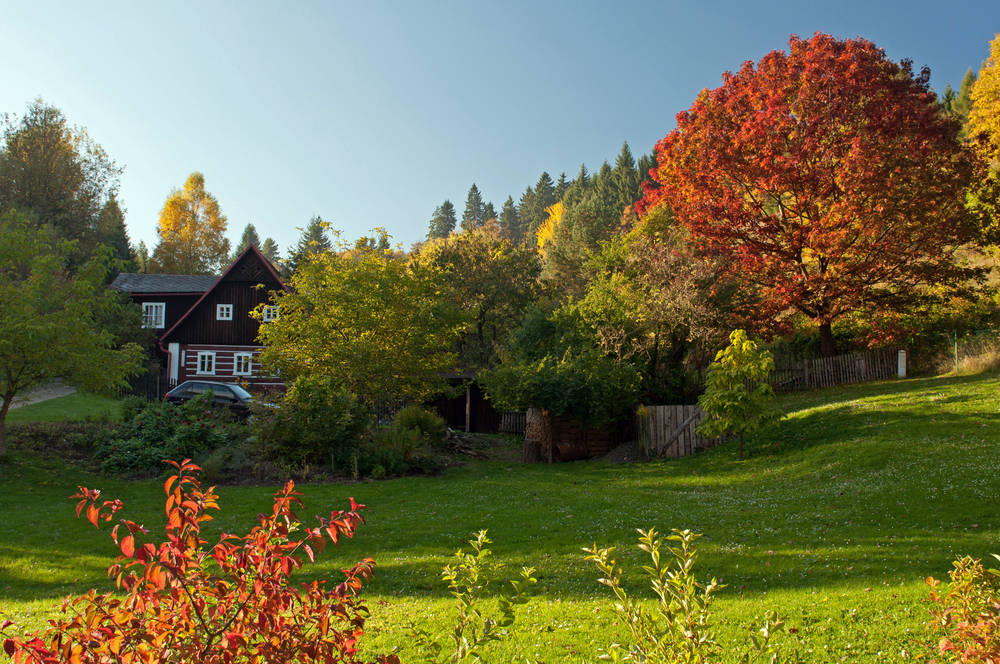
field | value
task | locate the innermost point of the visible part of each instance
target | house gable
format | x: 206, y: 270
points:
x: 247, y: 283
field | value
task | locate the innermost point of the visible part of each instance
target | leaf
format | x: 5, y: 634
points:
x: 128, y: 546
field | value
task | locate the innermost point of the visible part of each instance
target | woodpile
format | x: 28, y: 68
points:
x: 551, y: 438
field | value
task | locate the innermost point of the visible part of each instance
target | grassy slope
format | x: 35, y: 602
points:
x: 834, y: 522
x: 76, y: 406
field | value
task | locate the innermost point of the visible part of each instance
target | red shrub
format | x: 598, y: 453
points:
x: 185, y: 603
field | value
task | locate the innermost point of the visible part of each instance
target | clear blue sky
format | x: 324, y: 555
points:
x: 371, y: 114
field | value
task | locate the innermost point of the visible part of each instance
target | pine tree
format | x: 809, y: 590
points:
x: 475, y: 210
x: 249, y: 237
x: 510, y: 225
x: 314, y: 240
x: 583, y: 177
x: 489, y: 212
x: 443, y: 222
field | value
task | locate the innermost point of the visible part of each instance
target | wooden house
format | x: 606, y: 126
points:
x: 214, y: 338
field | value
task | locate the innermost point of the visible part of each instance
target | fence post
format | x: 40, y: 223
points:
x: 901, y: 364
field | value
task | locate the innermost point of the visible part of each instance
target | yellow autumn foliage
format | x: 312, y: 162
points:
x: 192, y: 232
x: 547, y: 231
x: 984, y: 118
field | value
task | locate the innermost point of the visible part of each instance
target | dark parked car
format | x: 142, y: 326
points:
x: 229, y: 395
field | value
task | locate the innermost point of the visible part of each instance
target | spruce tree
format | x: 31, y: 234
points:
x: 625, y: 180
x: 544, y: 195
x: 510, y: 225
x: 963, y: 100
x: 314, y: 240
x: 561, y: 186
x: 525, y: 212
x: 489, y: 212
x: 249, y: 237
x: 443, y: 222
x: 111, y: 232
x: 475, y: 210
x: 270, y: 250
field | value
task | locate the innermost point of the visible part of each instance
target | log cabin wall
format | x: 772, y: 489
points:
x: 244, y: 286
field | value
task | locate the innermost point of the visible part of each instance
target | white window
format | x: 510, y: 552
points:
x: 242, y: 364
x: 206, y: 362
x: 154, y: 314
x: 270, y: 313
x: 223, y: 312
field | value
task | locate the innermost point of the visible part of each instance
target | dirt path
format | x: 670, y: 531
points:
x: 51, y: 391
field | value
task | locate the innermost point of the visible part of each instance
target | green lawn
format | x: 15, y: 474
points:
x: 76, y: 406
x: 834, y: 522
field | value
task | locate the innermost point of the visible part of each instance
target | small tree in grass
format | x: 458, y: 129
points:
x: 737, y: 398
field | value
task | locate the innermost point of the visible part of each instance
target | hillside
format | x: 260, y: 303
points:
x: 834, y: 521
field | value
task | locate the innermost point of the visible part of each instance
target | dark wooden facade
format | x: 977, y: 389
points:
x: 203, y: 346
x: 177, y: 304
x: 246, y: 284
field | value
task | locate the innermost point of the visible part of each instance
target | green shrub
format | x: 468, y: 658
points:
x: 966, y: 613
x: 316, y: 423
x: 468, y: 580
x: 160, y: 430
x: 677, y: 628
x: 431, y: 426
x: 588, y: 385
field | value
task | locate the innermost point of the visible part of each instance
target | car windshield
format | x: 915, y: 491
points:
x: 240, y: 392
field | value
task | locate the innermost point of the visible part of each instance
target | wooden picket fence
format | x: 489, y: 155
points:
x: 512, y: 422
x: 858, y: 367
x: 671, y: 431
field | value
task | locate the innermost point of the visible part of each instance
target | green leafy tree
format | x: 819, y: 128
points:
x: 493, y: 281
x: 314, y: 240
x: 738, y: 399
x: 374, y: 321
x: 49, y: 319
x: 192, y: 232
x: 443, y: 222
x: 56, y: 173
x: 475, y: 209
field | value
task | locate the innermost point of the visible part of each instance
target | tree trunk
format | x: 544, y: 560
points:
x: 3, y: 428
x: 826, y: 343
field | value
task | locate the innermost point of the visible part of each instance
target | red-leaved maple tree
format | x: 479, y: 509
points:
x: 827, y: 177
x: 185, y: 603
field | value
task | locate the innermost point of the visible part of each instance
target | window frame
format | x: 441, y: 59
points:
x: 202, y: 354
x: 223, y: 312
x: 270, y: 313
x: 150, y: 323
x: 236, y: 363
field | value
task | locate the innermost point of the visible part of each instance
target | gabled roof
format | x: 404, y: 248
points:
x: 128, y: 282
x: 218, y: 280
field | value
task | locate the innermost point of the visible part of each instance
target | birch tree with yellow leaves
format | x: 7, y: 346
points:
x: 984, y: 132
x: 192, y: 232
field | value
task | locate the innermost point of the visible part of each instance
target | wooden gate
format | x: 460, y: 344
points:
x: 670, y: 431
